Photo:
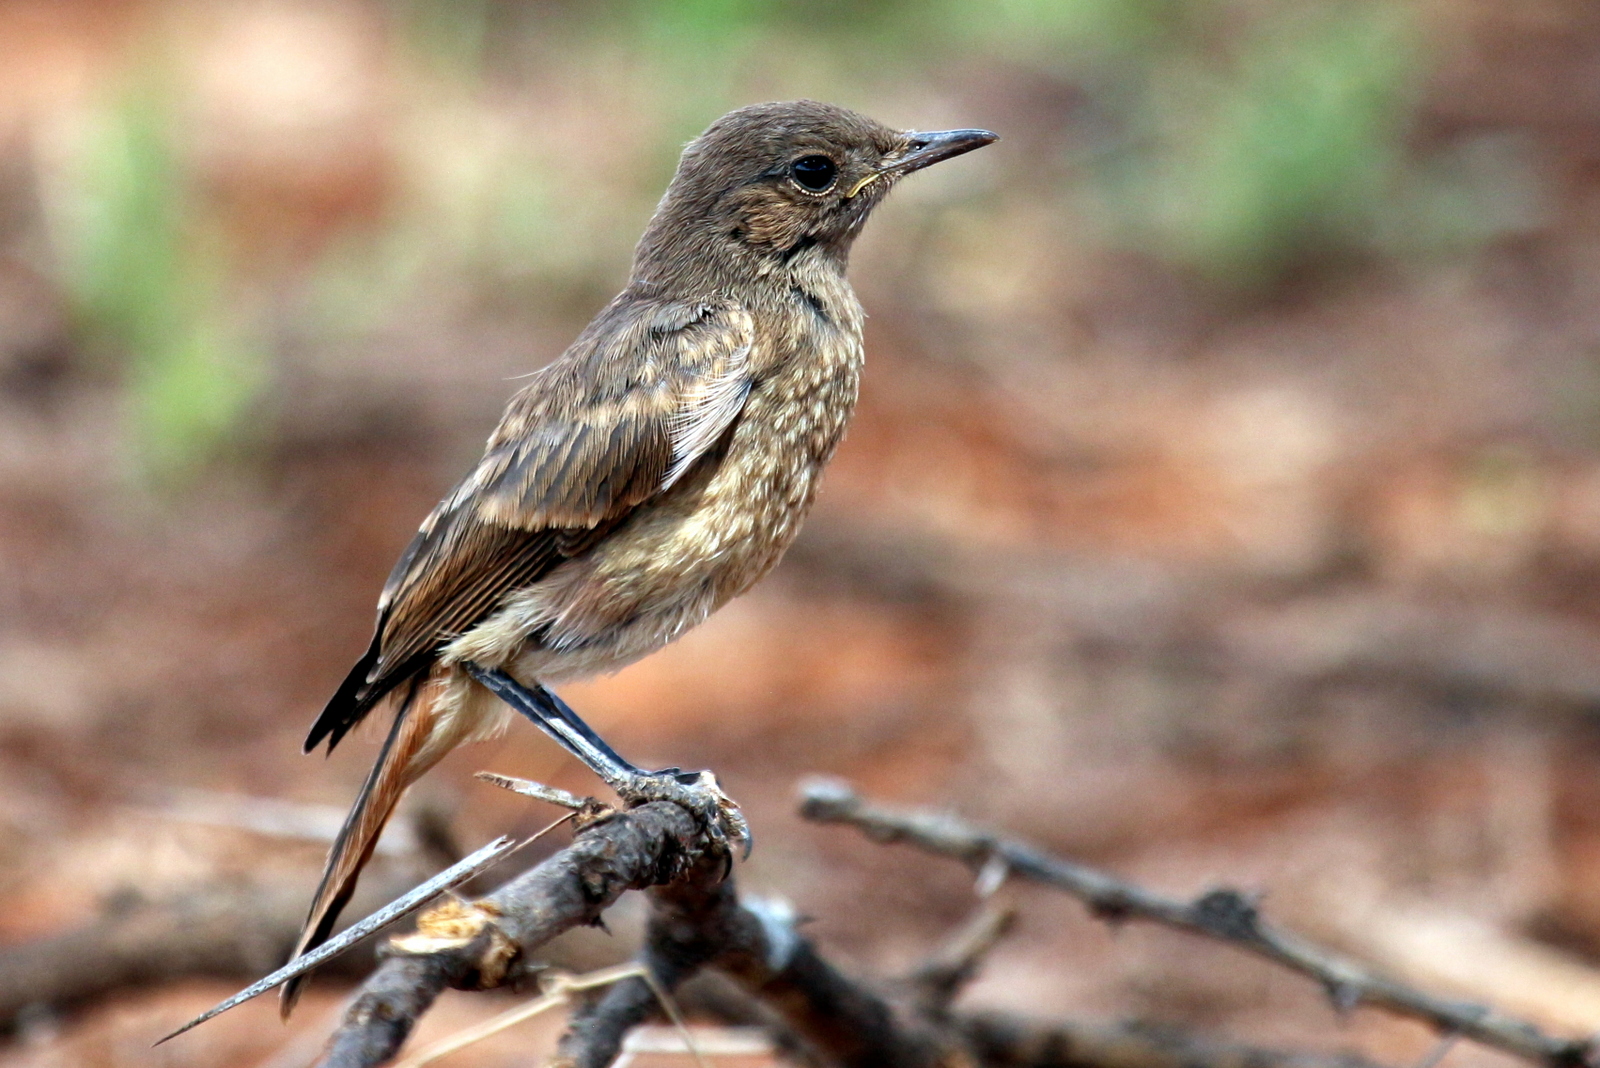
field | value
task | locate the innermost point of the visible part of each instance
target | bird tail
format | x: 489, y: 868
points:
x: 404, y: 757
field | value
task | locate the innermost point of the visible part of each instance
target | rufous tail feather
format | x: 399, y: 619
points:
x: 397, y: 767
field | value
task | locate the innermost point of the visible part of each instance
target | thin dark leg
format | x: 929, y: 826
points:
x: 557, y: 719
x: 564, y: 712
x: 696, y: 790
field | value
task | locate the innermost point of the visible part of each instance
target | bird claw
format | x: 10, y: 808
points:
x: 701, y: 794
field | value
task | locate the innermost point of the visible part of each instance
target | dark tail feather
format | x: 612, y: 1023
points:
x: 349, y: 702
x: 386, y: 783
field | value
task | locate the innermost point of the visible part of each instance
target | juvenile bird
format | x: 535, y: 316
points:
x: 655, y: 470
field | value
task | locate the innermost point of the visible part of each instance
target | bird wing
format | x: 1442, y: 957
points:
x: 642, y: 395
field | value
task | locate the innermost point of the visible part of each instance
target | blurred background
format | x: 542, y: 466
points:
x: 1223, y: 503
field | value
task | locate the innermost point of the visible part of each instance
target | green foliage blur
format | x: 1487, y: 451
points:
x: 1237, y: 142
x: 148, y: 287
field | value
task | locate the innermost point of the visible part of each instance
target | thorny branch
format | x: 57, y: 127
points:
x: 487, y: 943
x: 815, y: 1013
x: 696, y: 921
x: 1224, y: 914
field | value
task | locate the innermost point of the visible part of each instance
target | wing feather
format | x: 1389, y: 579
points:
x: 645, y: 392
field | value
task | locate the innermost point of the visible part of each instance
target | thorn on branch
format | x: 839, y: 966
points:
x: 779, y: 926
x: 1343, y: 996
x: 1112, y: 909
x: 992, y: 876
x: 1229, y: 914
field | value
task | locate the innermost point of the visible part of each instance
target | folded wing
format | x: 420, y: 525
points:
x: 648, y: 390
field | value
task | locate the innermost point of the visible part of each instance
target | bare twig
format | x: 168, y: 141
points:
x: 488, y: 942
x: 1441, y: 1049
x: 1223, y: 914
x: 401, y: 907
x: 213, y: 930
x: 540, y: 792
x: 940, y: 978
x: 221, y: 927
x: 697, y: 921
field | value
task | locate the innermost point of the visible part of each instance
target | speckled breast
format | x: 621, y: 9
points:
x: 727, y: 522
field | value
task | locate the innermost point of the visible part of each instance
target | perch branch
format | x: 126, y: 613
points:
x: 487, y: 943
x: 699, y: 922
x: 1223, y: 914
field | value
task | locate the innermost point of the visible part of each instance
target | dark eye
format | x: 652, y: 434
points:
x: 815, y: 173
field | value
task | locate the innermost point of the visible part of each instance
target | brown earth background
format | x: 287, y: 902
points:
x: 1223, y: 503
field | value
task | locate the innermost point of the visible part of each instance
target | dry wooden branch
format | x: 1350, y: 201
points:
x: 939, y: 978
x: 487, y: 943
x: 698, y: 924
x: 401, y: 907
x: 697, y: 921
x: 1224, y: 914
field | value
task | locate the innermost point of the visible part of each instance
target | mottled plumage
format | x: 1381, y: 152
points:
x: 655, y: 470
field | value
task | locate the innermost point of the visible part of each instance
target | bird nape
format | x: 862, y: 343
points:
x: 656, y: 469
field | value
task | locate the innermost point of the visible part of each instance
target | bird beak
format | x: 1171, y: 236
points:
x: 926, y: 149
x: 931, y: 147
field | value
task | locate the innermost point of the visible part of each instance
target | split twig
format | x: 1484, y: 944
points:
x: 401, y: 907
x: 698, y: 922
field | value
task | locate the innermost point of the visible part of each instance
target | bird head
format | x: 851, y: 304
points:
x: 772, y: 180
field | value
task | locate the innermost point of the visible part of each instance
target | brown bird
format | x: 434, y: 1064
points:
x: 655, y: 470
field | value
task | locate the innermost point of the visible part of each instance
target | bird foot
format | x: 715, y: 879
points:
x: 697, y: 791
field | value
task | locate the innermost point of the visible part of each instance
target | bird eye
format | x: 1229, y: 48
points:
x: 815, y: 173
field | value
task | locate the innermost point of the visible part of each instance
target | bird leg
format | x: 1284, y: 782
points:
x: 557, y: 719
x: 697, y: 791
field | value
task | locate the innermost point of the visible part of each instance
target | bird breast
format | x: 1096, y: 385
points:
x: 717, y: 530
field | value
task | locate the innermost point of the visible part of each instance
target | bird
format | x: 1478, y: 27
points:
x: 656, y: 469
